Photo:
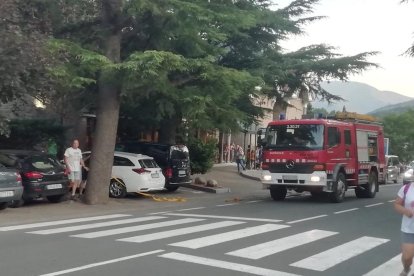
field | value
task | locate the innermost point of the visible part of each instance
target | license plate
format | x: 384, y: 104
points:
x: 290, y: 177
x: 181, y: 172
x: 6, y: 194
x: 54, y: 186
x: 155, y: 175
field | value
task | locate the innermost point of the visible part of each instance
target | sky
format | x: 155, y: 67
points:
x: 356, y: 26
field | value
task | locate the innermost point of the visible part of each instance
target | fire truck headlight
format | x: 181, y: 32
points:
x: 267, y: 177
x: 315, y: 178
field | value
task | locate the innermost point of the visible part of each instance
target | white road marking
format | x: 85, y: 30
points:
x: 229, y: 236
x: 336, y: 255
x: 372, y: 205
x: 393, y: 200
x: 226, y: 265
x: 180, y: 231
x: 92, y: 225
x: 269, y: 248
x: 59, y: 222
x: 228, y: 204
x: 102, y: 263
x: 160, y: 213
x: 189, y: 209
x: 110, y: 232
x: 254, y: 201
x: 391, y: 267
x: 225, y: 217
x: 305, y: 219
x: 346, y: 211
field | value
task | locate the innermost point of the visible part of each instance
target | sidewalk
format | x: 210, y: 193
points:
x: 251, y: 174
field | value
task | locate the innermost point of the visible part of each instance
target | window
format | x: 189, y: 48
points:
x: 297, y: 137
x: 147, y: 163
x: 42, y: 163
x: 334, y: 137
x: 347, y: 134
x: 122, y: 161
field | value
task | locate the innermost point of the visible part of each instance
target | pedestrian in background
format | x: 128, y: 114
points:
x: 232, y: 152
x: 240, y: 158
x: 226, y: 153
x: 252, y: 159
x: 74, y: 162
x: 404, y: 204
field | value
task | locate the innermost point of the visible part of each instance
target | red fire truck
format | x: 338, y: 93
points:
x: 324, y: 156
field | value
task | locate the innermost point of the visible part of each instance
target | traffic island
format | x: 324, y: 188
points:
x: 209, y: 186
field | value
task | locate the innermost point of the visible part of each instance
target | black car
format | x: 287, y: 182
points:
x: 174, y: 160
x: 42, y: 175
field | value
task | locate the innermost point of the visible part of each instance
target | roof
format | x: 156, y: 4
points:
x: 128, y: 154
x: 22, y: 152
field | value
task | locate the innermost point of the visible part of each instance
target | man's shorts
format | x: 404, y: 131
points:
x: 75, y: 175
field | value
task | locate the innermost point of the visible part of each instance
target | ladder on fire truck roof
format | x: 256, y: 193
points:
x: 356, y: 117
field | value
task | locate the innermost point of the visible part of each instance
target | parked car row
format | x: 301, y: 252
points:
x: 28, y: 175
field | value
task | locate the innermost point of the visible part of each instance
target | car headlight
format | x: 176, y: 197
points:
x: 408, y: 174
x: 267, y: 177
x: 315, y: 178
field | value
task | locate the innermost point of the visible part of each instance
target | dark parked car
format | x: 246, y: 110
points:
x: 10, y: 186
x: 174, y: 160
x: 42, y: 175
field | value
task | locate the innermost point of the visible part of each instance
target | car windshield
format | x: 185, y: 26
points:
x: 294, y: 136
x: 179, y: 152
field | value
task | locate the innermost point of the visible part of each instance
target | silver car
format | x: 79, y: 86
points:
x: 393, y: 168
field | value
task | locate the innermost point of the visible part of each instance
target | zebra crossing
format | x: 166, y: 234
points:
x: 151, y: 228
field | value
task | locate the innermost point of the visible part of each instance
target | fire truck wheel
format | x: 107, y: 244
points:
x: 369, y: 190
x: 339, y: 189
x: 278, y: 193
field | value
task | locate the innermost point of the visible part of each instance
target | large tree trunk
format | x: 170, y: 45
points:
x: 97, y: 191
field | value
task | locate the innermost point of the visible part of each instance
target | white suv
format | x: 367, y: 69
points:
x: 132, y: 173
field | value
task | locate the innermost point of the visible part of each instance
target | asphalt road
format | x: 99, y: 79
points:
x: 240, y: 233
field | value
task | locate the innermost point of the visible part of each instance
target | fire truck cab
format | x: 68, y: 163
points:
x: 324, y: 156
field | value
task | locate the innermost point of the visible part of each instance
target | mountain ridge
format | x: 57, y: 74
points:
x: 359, y: 97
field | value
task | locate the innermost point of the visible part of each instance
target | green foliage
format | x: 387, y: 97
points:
x: 399, y: 129
x: 24, y: 61
x: 202, y: 155
x: 32, y: 133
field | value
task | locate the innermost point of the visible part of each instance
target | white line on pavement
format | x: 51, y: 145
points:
x: 254, y: 201
x: 259, y: 251
x: 228, y: 204
x: 229, y: 236
x: 181, y: 231
x: 373, y: 205
x: 60, y: 222
x: 116, y: 231
x: 336, y: 255
x: 189, y: 209
x: 93, y: 225
x: 346, y: 211
x: 306, y: 219
x: 223, y: 217
x: 102, y: 263
x: 160, y: 213
x: 392, y: 200
x: 391, y: 267
x: 226, y: 265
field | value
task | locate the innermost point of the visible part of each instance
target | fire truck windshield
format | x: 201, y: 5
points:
x: 295, y: 136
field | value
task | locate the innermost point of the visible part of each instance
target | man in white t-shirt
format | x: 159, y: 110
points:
x: 404, y: 204
x: 74, y: 164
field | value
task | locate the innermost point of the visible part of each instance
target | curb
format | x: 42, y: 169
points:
x: 244, y: 174
x: 218, y: 190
